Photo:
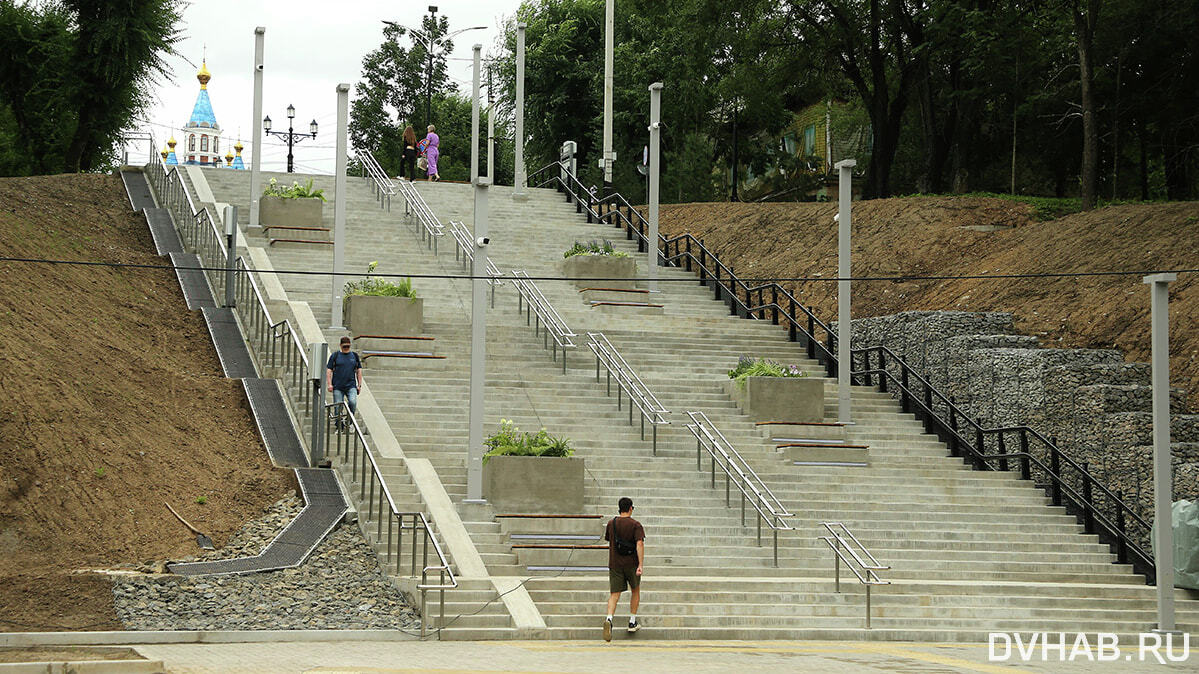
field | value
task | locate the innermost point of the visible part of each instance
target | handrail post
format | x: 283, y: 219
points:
x: 903, y: 394
x: 1025, y: 463
x: 1088, y: 518
x: 1055, y: 467
x: 1121, y: 544
x: 979, y: 447
x: 882, y: 371
x: 837, y: 564
x: 774, y: 301
x: 1002, y: 452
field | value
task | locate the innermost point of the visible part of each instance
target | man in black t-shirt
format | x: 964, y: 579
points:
x: 626, y: 557
x: 343, y: 376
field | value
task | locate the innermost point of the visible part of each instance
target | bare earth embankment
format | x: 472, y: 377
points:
x: 924, y: 236
x: 112, y: 401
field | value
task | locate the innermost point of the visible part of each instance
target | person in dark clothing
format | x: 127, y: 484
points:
x: 343, y: 376
x: 408, y: 161
x: 626, y: 558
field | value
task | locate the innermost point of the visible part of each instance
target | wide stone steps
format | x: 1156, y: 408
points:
x: 937, y: 522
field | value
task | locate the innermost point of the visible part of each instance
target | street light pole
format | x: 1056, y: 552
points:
x: 518, y: 192
x: 291, y: 136
x: 429, y: 79
x: 608, y: 158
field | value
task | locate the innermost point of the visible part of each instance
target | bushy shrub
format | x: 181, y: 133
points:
x: 381, y: 287
x: 510, y: 441
x: 594, y: 248
x: 296, y: 191
x: 760, y: 367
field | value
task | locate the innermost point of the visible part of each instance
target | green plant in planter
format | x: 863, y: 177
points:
x: 594, y: 248
x: 760, y: 367
x: 296, y: 191
x: 373, y: 285
x: 510, y: 441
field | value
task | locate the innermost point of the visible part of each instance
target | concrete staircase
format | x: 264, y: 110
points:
x: 970, y: 552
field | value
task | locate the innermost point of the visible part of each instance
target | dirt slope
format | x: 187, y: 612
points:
x: 925, y: 236
x: 112, y: 401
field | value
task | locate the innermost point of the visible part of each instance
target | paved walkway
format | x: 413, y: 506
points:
x: 644, y: 658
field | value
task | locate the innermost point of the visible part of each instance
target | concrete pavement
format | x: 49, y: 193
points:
x: 645, y: 658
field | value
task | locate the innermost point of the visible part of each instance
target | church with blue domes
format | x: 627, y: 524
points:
x: 201, y: 140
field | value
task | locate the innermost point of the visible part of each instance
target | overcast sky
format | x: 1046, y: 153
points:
x: 310, y: 47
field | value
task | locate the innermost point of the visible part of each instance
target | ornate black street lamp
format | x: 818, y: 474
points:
x: 290, y: 135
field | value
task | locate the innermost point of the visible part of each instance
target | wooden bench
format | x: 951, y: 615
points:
x: 316, y: 241
x: 293, y: 228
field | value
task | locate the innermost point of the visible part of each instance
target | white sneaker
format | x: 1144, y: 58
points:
x: 634, y: 625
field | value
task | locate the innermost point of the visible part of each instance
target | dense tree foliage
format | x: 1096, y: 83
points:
x: 74, y: 74
x: 1094, y: 98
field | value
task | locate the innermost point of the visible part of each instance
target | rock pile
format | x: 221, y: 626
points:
x: 340, y: 586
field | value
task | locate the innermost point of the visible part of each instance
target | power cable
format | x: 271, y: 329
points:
x: 747, y: 280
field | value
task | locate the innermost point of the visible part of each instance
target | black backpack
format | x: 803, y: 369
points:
x: 624, y: 548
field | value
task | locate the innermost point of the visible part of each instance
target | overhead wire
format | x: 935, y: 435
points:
x: 747, y: 280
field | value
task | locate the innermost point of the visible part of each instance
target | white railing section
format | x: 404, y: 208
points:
x: 350, y: 446
x: 738, y: 474
x: 542, y: 315
x: 381, y: 185
x: 627, y: 380
x: 416, y: 209
x: 463, y: 252
x: 279, y: 352
x: 860, y: 561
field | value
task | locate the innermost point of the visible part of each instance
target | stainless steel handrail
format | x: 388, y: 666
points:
x: 382, y: 186
x: 279, y: 340
x: 430, y: 227
x: 531, y: 299
x: 463, y: 252
x: 628, y: 381
x: 867, y: 575
x: 777, y: 505
x: 338, y: 414
x: 735, y: 475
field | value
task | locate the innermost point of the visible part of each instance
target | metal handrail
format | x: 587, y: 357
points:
x: 821, y: 343
x: 349, y: 447
x: 779, y: 504
x: 463, y: 252
x: 381, y: 185
x: 867, y: 575
x: 628, y: 381
x: 736, y: 474
x: 278, y: 342
x: 530, y: 299
x: 429, y: 226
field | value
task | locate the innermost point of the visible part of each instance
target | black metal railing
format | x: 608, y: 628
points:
x: 1067, y: 482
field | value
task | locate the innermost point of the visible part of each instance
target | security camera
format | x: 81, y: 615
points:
x: 482, y: 241
x: 258, y: 67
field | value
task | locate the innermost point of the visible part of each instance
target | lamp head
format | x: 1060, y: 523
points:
x: 312, y: 127
x: 291, y: 111
x: 266, y: 123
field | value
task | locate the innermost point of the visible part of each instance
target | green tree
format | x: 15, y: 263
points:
x: 394, y: 87
x: 74, y: 74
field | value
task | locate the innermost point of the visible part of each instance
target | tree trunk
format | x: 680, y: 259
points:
x: 1084, y: 24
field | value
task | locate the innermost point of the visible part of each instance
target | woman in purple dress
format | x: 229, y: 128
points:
x: 431, y: 153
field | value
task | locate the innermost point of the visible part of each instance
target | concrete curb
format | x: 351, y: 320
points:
x: 195, y: 637
x: 85, y: 667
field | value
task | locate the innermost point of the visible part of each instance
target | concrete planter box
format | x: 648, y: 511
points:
x: 290, y: 212
x: 601, y: 267
x: 534, y: 484
x: 780, y: 398
x: 389, y: 316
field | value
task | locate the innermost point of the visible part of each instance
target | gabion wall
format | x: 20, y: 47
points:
x: 1097, y: 406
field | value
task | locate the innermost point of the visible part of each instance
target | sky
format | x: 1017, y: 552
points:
x: 310, y: 47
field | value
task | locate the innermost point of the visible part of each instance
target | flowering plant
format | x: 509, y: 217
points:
x: 760, y: 367
x: 373, y: 285
x: 509, y: 441
x: 296, y: 191
x: 593, y: 248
